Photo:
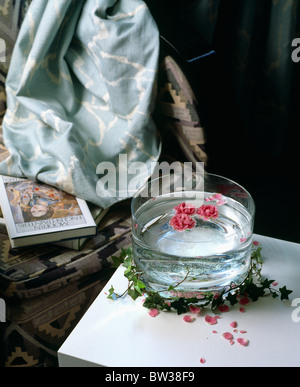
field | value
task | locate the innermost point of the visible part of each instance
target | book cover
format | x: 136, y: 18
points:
x: 98, y: 214
x: 2, y: 224
x: 36, y: 213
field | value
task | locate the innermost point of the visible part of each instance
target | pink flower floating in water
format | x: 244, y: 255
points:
x: 208, y: 212
x: 182, y: 222
x: 184, y: 208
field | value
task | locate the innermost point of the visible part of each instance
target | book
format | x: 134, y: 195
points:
x: 2, y: 224
x: 37, y: 213
x: 98, y: 214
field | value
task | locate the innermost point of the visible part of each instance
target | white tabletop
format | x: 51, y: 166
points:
x: 122, y: 334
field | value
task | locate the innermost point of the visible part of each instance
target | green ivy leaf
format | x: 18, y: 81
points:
x: 134, y: 294
x: 267, y: 283
x: 180, y: 306
x: 111, y: 293
x: 217, y: 301
x: 232, y: 298
x: 285, y: 293
x: 117, y: 261
x: 254, y: 291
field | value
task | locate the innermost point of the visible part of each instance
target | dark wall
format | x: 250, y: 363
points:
x: 248, y: 95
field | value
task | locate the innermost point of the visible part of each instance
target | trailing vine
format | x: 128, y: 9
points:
x: 253, y: 287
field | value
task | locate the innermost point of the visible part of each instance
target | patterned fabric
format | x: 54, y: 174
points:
x: 178, y: 111
x: 3, y: 151
x: 31, y: 272
x: 80, y: 91
x: 48, y: 289
x: 36, y: 328
x: 11, y: 16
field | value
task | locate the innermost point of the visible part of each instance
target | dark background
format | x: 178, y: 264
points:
x: 248, y: 94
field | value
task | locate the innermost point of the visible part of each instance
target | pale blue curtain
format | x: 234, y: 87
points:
x: 80, y: 91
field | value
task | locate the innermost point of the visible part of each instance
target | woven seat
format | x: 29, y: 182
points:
x: 48, y: 288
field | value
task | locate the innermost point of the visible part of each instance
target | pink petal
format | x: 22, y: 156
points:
x: 231, y: 342
x: 243, y: 342
x: 214, y: 331
x: 242, y: 240
x: 227, y: 336
x: 275, y: 283
x: 223, y: 308
x: 244, y: 301
x: 241, y: 331
x: 255, y: 243
x: 211, y: 320
x: 153, y: 312
x: 188, y: 319
x: 194, y: 309
x: 233, y: 324
x: 202, y: 360
x: 243, y: 310
x: 218, y: 196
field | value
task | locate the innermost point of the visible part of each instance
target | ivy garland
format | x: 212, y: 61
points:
x: 254, y: 287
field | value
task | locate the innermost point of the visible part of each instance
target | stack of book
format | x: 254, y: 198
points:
x: 35, y: 213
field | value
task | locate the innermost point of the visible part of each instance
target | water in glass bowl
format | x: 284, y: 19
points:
x: 208, y: 257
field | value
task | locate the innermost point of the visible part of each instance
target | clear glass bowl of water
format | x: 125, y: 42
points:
x: 196, y: 237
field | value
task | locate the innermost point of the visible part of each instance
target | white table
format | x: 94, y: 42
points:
x: 122, y: 334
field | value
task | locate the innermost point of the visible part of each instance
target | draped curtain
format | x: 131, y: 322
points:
x: 253, y: 42
x: 80, y: 91
x: 254, y: 39
x: 252, y: 136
